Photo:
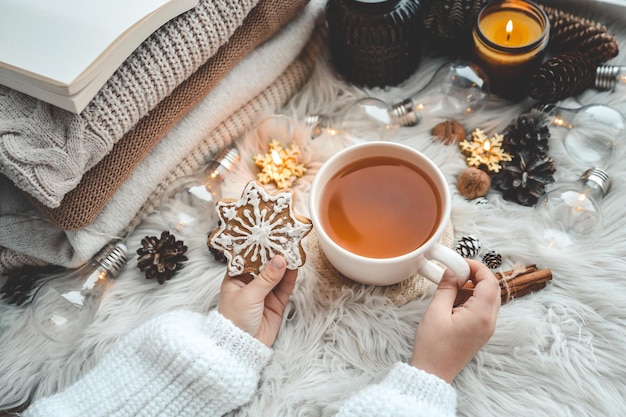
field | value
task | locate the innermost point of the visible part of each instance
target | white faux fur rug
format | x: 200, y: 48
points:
x: 558, y: 352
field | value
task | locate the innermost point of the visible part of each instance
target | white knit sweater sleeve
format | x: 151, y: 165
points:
x: 405, y: 391
x: 178, y: 364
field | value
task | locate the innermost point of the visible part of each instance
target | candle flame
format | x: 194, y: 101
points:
x: 509, y: 29
x: 276, y: 158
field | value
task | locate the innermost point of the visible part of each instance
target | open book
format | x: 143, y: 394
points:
x: 63, y: 51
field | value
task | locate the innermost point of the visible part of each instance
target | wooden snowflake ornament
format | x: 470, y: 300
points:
x: 257, y: 227
x: 484, y: 152
x: 280, y: 165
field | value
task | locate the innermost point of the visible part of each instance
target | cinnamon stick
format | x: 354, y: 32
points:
x: 506, y: 297
x: 516, y: 272
x: 514, y: 283
x: 523, y: 284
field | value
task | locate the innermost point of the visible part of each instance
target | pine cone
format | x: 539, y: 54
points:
x: 573, y: 33
x: 523, y: 179
x: 566, y: 75
x: 492, y: 259
x: 22, y: 282
x: 160, y: 258
x: 468, y: 246
x: 527, y: 132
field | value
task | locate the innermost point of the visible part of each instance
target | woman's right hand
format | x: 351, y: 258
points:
x: 448, y: 337
x: 257, y: 305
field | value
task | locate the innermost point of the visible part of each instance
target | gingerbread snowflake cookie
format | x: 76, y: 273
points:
x: 258, y: 226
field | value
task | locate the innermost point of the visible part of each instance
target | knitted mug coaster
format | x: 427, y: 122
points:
x: 400, y: 293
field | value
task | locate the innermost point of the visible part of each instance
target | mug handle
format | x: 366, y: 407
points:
x: 449, y: 258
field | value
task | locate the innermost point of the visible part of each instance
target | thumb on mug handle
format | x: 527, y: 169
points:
x: 450, y: 259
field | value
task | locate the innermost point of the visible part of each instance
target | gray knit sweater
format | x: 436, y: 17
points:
x: 187, y: 364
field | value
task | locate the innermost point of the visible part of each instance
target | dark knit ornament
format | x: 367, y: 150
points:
x: 523, y: 180
x: 566, y: 75
x: 528, y: 132
x: 468, y: 246
x: 573, y: 33
x: 160, y: 258
x: 22, y: 282
x: 492, y: 259
x: 448, y: 24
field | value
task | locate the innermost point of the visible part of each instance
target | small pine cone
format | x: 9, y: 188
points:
x: 523, y: 179
x: 160, y: 258
x: 566, y: 75
x: 573, y: 33
x: 468, y: 246
x: 492, y: 259
x: 527, y: 132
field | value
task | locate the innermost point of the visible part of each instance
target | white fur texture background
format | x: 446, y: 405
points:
x: 558, y: 352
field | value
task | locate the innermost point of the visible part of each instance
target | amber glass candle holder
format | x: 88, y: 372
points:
x: 509, y: 42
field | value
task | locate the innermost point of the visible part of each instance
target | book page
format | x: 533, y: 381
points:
x: 59, y: 39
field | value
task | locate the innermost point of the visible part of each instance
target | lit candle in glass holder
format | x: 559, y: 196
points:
x: 509, y: 41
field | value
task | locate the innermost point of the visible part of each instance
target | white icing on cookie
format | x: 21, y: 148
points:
x: 258, y: 226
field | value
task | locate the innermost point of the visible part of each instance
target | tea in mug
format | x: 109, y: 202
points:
x: 380, y: 207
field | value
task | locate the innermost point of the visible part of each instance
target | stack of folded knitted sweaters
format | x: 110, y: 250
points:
x: 71, y: 182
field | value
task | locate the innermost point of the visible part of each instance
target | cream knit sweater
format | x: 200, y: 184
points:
x: 189, y: 364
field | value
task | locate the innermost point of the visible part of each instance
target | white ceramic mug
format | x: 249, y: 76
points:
x: 387, y: 271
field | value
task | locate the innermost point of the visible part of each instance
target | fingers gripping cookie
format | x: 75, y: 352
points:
x: 258, y: 226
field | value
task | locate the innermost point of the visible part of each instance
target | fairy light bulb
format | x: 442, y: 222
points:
x: 367, y: 118
x: 571, y: 213
x: 67, y: 303
x: 188, y: 204
x: 610, y: 78
x: 593, y: 131
x: 456, y: 88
